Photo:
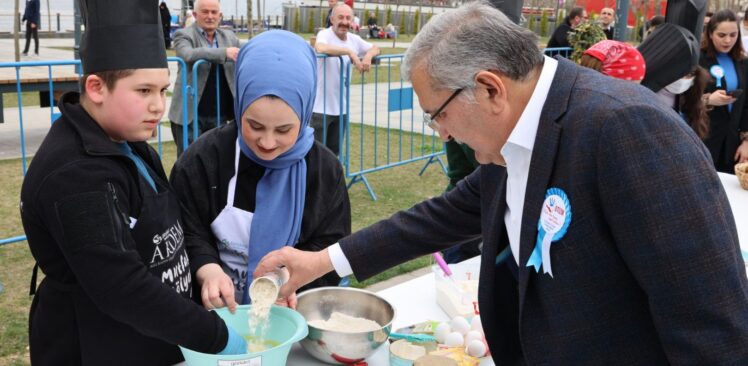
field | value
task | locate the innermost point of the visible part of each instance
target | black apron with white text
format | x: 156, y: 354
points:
x: 159, y: 239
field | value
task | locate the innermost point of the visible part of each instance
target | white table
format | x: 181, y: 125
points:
x: 421, y: 289
x: 414, y: 302
x: 739, y: 203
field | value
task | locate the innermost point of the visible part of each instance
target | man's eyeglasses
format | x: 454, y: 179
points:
x: 430, y: 121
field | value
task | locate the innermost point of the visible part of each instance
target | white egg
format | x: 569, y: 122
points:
x: 460, y: 324
x: 475, y: 324
x: 476, y: 348
x: 441, y: 332
x: 454, y: 339
x: 473, y: 335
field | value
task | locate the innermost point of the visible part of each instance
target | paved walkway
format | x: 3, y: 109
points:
x: 37, y: 120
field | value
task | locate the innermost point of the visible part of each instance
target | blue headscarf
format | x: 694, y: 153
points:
x: 281, y: 64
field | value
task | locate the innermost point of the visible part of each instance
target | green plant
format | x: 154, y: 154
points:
x: 544, y: 24
x: 416, y: 19
x: 531, y: 22
x: 310, y: 23
x: 322, y: 18
x: 367, y: 15
x: 297, y: 20
x: 583, y: 37
x: 638, y: 33
x: 402, y: 28
x: 388, y: 17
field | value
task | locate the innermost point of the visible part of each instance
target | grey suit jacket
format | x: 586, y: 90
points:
x: 649, y: 271
x: 191, y: 46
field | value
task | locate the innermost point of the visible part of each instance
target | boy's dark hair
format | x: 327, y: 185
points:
x: 110, y: 78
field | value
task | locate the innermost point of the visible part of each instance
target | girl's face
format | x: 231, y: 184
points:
x: 270, y: 127
x: 725, y: 36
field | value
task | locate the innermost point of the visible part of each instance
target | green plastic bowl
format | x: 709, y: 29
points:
x: 286, y: 327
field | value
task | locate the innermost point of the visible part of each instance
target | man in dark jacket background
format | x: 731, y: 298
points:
x: 560, y: 37
x: 31, y: 16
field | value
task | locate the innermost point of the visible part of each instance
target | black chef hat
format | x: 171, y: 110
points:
x: 122, y: 34
x: 670, y: 53
x: 688, y: 14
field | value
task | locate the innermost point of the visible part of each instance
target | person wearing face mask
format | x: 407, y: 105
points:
x: 264, y: 183
x: 722, y: 56
x: 685, y: 96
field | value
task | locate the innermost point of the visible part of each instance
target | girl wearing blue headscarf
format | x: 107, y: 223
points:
x: 265, y: 183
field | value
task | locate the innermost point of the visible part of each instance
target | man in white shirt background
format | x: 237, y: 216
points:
x: 329, y: 110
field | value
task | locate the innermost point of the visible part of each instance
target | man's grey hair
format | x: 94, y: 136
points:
x: 195, y: 4
x: 454, y: 46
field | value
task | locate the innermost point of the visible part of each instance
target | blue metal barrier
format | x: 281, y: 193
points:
x: 558, y: 51
x: 19, y: 90
x: 195, y: 102
x: 405, y: 142
x: 342, y: 82
x: 53, y: 115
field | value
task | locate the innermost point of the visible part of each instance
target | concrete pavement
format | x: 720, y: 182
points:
x: 37, y: 120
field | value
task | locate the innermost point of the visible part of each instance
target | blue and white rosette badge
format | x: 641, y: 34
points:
x: 555, y: 218
x: 718, y: 72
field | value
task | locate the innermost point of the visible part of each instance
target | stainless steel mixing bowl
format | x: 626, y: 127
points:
x: 337, y: 347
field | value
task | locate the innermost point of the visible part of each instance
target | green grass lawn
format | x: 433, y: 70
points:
x: 397, y: 188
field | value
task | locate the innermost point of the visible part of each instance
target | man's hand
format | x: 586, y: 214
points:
x: 289, y: 302
x: 232, y: 53
x: 303, y: 267
x: 365, y: 64
x: 217, y: 287
x: 356, y: 61
x: 33, y: 25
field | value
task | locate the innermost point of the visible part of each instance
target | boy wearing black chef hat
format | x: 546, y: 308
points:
x: 100, y: 217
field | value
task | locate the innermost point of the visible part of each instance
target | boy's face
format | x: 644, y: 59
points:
x: 133, y: 108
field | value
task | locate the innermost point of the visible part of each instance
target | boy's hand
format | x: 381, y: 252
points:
x: 217, y: 287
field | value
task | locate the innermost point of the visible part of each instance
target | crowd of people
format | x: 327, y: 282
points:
x: 709, y: 96
x: 578, y: 173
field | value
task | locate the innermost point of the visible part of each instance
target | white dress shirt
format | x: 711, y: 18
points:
x: 516, y: 152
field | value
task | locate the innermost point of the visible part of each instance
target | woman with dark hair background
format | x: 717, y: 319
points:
x: 722, y: 56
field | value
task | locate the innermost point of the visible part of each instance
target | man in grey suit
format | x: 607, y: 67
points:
x: 204, y: 40
x: 608, y: 239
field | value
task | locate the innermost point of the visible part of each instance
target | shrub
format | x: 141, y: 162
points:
x: 544, y: 24
x: 583, y: 37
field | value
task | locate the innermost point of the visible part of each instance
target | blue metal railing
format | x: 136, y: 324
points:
x: 53, y: 114
x: 398, y: 101
x: 558, y: 51
x: 394, y: 150
x: 196, y: 102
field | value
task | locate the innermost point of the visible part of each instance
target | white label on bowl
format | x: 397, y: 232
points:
x: 256, y: 361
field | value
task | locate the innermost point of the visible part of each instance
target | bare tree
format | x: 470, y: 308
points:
x: 49, y: 18
x: 250, y: 22
x: 16, y: 30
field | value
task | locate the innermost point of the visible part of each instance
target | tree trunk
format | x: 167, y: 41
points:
x: 49, y: 18
x: 16, y: 30
x: 259, y: 13
x: 250, y: 21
